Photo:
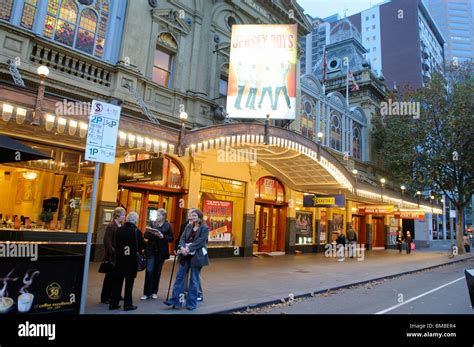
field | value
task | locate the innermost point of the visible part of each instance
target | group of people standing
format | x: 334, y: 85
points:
x: 123, y: 242
x: 407, y: 239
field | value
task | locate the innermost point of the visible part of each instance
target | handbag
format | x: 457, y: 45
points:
x: 141, y: 259
x: 141, y: 262
x: 106, y: 267
x: 413, y: 246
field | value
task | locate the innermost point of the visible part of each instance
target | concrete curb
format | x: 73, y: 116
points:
x: 310, y: 294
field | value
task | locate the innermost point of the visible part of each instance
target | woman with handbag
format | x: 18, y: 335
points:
x: 192, y: 252
x: 129, y: 243
x: 109, y: 256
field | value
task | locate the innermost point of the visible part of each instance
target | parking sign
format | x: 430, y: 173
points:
x: 102, y: 132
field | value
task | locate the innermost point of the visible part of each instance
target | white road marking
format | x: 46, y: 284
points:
x: 419, y: 296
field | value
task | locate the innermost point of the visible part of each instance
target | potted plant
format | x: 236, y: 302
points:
x: 46, y: 217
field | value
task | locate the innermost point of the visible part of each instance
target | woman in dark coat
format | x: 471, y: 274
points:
x: 158, y: 235
x: 109, y: 250
x: 128, y: 242
x: 408, y: 240
x: 192, y: 252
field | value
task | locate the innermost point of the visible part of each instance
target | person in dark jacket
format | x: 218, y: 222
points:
x: 408, y: 241
x: 340, y: 246
x: 192, y: 252
x: 158, y: 235
x: 128, y: 242
x: 399, y: 241
x: 109, y: 256
x: 176, y: 246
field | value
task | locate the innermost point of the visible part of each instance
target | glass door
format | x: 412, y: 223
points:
x: 264, y: 227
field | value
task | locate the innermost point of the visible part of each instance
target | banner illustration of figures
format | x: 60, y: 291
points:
x: 218, y: 217
x: 262, y: 73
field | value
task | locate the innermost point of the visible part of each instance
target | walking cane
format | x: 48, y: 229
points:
x: 171, y: 277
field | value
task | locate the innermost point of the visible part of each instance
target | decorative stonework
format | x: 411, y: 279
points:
x: 167, y: 40
x: 172, y: 21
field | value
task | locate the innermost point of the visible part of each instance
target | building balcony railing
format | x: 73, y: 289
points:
x: 53, y: 56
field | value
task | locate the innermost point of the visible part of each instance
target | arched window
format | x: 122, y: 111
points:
x: 80, y: 25
x: 336, y: 133
x: 6, y: 9
x: 357, y: 142
x: 307, y: 120
x: 87, y: 30
x: 270, y: 189
x: 28, y: 15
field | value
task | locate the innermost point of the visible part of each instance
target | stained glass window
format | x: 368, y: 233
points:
x: 357, y: 142
x: 82, y: 27
x: 28, y: 16
x: 6, y: 9
x: 86, y: 33
x: 336, y: 133
x: 66, y: 25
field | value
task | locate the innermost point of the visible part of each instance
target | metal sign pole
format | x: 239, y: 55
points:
x: 89, y: 238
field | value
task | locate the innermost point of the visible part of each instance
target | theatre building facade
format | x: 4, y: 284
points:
x: 262, y: 189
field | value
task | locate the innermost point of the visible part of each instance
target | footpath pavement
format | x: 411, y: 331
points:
x: 236, y: 283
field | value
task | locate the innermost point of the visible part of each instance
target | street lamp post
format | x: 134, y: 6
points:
x: 320, y: 139
x: 402, y: 188
x: 181, y: 148
x: 266, y: 137
x: 43, y: 72
x: 418, y: 194
x: 355, y: 172
x: 382, y: 181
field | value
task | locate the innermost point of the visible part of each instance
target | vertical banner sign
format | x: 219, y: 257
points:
x: 218, y: 217
x: 262, y: 71
x: 102, y: 132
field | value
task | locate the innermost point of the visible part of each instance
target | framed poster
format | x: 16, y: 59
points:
x: 323, y: 227
x: 304, y: 227
x: 218, y: 217
x: 337, y: 225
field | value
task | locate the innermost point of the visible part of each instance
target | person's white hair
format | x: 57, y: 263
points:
x: 132, y: 217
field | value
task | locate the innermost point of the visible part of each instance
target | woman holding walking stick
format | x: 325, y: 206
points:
x: 192, y: 254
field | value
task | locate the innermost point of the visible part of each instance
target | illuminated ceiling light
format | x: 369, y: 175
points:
x: 122, y: 138
x: 30, y: 175
x: 72, y: 127
x: 156, y: 146
x: 139, y: 142
x: 61, y: 124
x: 148, y: 143
x: 49, y: 124
x: 131, y: 140
x: 7, y: 112
x: 83, y: 129
x: 20, y: 115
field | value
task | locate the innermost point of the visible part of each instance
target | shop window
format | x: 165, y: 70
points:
x: 270, y: 189
x: 28, y: 16
x: 336, y: 133
x: 222, y: 202
x: 82, y: 27
x: 357, y: 142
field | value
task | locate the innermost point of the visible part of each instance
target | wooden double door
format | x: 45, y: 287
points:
x: 270, y: 227
x: 147, y: 202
